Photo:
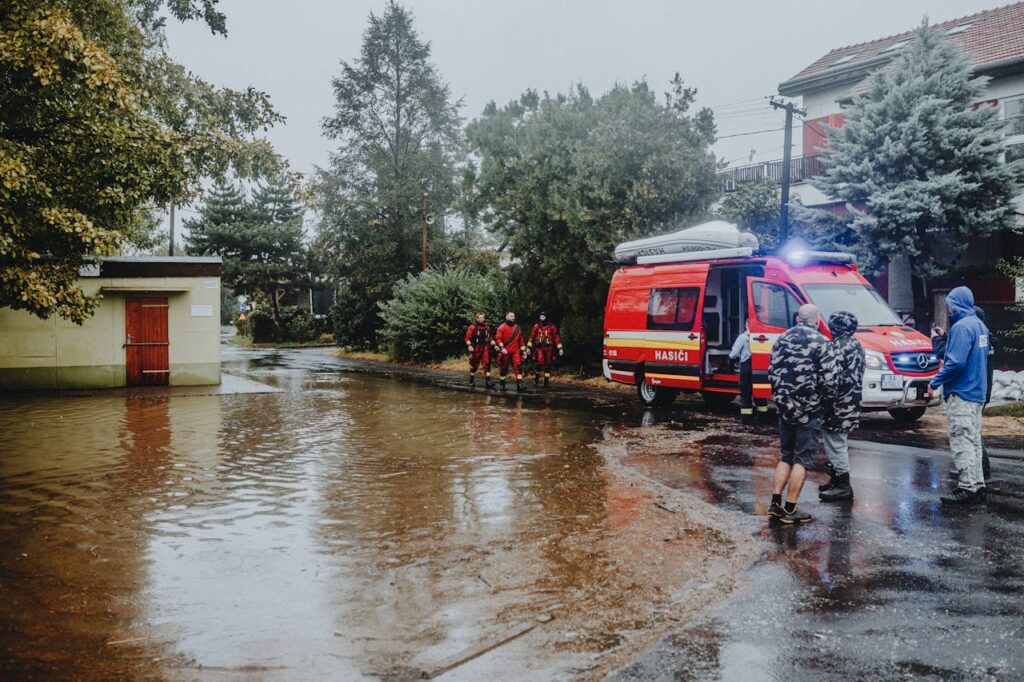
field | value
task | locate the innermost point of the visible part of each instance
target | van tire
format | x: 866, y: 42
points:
x: 654, y: 396
x: 907, y: 415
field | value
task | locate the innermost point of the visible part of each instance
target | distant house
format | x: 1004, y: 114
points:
x: 158, y: 323
x: 994, y: 43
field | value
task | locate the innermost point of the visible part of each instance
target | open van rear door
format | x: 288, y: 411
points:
x: 771, y: 310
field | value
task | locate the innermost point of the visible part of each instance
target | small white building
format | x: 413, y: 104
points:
x: 158, y: 323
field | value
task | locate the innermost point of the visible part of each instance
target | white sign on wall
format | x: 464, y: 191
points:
x: 202, y: 311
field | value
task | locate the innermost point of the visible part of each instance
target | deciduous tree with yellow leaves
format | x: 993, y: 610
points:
x: 97, y: 126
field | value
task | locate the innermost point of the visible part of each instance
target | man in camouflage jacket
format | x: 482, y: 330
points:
x: 803, y: 376
x: 842, y: 415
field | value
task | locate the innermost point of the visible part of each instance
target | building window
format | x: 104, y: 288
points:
x: 1013, y: 128
x: 672, y: 308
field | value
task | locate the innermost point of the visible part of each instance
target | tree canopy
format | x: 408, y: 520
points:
x: 564, y: 178
x: 398, y: 134
x: 918, y: 164
x: 97, y: 126
x: 260, y: 241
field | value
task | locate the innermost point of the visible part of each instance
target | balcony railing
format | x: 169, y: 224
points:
x: 801, y: 169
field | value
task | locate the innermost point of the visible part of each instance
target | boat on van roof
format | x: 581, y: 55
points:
x: 713, y: 240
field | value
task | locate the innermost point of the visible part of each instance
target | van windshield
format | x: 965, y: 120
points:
x: 860, y: 299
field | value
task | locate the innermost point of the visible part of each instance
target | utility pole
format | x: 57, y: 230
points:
x: 170, y: 244
x: 423, y: 213
x: 790, y: 109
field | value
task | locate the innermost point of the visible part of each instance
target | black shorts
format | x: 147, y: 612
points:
x: 799, y: 443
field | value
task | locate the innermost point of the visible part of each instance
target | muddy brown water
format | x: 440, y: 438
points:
x: 346, y: 526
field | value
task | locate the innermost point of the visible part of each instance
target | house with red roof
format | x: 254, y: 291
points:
x: 993, y: 40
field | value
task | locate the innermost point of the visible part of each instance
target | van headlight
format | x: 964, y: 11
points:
x: 874, y: 360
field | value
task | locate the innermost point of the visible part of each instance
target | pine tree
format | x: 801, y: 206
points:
x: 224, y: 205
x: 398, y: 131
x: 919, y: 166
x: 260, y: 241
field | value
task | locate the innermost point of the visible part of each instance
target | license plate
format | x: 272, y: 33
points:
x: 892, y: 382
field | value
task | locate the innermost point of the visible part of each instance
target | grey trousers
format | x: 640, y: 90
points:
x: 965, y: 441
x: 838, y: 451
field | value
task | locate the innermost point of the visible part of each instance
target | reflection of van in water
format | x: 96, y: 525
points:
x: 671, y: 319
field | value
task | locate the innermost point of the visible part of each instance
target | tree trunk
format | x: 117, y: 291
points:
x: 901, y: 286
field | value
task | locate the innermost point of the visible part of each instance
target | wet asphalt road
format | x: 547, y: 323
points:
x: 890, y: 586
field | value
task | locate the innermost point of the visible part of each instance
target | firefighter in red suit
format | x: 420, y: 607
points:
x: 479, y: 342
x: 543, y: 344
x: 511, y: 345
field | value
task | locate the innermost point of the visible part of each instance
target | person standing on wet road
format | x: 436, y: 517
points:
x: 963, y: 379
x: 741, y: 352
x: 939, y: 347
x: 508, y: 339
x: 478, y: 342
x: 544, y: 343
x: 842, y: 414
x: 803, y: 378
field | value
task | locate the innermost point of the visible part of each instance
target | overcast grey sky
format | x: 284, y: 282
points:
x: 490, y: 50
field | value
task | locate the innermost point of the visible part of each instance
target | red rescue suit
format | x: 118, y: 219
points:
x: 544, y: 343
x: 509, y: 341
x: 478, y: 341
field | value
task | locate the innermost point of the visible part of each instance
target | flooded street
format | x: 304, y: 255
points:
x: 344, y: 525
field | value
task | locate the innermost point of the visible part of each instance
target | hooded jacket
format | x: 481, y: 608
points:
x: 842, y: 414
x: 964, y: 370
x: 802, y: 374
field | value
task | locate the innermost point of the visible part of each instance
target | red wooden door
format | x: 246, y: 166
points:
x: 146, y: 359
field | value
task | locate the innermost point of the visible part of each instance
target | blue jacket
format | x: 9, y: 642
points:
x: 965, y: 368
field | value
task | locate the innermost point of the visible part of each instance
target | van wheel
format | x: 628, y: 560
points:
x: 654, y: 396
x: 907, y: 415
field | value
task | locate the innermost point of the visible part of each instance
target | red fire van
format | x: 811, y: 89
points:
x: 671, y: 319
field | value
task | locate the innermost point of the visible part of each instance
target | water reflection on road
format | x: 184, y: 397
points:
x: 348, y: 525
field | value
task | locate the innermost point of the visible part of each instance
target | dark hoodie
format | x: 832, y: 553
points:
x: 843, y: 413
x: 965, y: 366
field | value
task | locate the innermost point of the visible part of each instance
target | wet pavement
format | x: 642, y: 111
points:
x: 887, y: 587
x: 343, y: 526
x: 355, y: 523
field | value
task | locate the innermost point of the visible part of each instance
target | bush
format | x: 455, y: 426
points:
x: 262, y: 327
x: 301, y: 328
x: 427, y: 317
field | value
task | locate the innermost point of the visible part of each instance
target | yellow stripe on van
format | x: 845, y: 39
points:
x: 650, y: 343
x: 671, y: 377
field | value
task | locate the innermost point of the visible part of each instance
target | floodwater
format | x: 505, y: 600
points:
x: 345, y: 526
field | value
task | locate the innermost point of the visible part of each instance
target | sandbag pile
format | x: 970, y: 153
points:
x: 1007, y: 386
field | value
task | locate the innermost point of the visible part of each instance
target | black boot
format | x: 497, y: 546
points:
x: 840, y: 490
x: 831, y: 479
x: 519, y: 386
x: 963, y: 498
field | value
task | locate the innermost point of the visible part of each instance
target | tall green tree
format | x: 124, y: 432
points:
x: 754, y: 207
x: 97, y: 126
x: 398, y: 134
x: 563, y: 179
x: 919, y: 166
x: 260, y: 241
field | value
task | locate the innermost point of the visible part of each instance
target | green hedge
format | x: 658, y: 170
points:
x: 427, y: 316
